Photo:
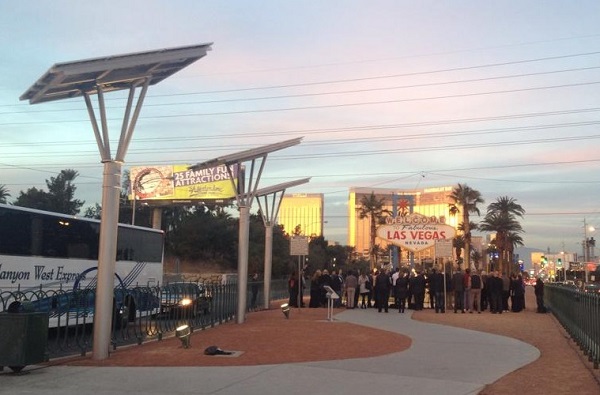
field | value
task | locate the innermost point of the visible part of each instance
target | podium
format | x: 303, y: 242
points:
x: 331, y: 296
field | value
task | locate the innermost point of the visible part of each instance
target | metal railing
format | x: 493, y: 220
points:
x: 579, y: 313
x: 140, y: 314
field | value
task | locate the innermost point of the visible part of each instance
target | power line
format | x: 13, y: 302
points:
x: 303, y: 95
x: 362, y: 152
x: 337, y: 105
x: 319, y: 131
x: 320, y: 143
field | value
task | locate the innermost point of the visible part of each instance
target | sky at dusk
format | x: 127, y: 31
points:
x: 502, y: 96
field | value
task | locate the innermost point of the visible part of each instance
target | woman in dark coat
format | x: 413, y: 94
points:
x: 293, y: 290
x: 324, y: 280
x: 539, y: 295
x: 517, y: 293
x: 315, y: 290
x: 401, y: 291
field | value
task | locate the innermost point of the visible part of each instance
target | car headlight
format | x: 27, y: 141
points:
x: 185, y: 302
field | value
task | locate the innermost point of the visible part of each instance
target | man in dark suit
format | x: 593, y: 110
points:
x: 383, y: 283
x: 495, y: 285
x: 459, y: 287
x: 418, y: 289
x: 436, y: 285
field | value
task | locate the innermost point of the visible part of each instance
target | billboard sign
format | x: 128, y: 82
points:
x: 415, y: 232
x: 176, y: 183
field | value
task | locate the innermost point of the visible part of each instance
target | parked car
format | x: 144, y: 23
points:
x: 568, y: 284
x: 591, y: 288
x: 77, y: 306
x: 185, y: 299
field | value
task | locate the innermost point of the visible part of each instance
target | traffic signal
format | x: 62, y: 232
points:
x: 543, y: 261
x: 559, y: 262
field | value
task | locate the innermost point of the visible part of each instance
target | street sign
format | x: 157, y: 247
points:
x: 443, y: 248
x: 299, y: 245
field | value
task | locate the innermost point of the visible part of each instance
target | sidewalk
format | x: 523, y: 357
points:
x: 440, y: 360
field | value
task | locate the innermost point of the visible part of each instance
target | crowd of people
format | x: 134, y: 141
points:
x: 464, y: 291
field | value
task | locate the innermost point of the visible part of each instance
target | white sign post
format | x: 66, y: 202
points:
x: 443, y: 249
x: 331, y: 295
x: 299, y: 247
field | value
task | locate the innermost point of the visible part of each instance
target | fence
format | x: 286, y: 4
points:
x: 579, y: 313
x: 140, y: 314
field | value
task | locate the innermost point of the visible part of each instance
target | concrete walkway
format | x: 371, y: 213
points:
x: 441, y: 360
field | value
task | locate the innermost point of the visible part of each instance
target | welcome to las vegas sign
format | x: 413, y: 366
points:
x: 415, y: 232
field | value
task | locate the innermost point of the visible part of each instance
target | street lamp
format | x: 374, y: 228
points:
x: 99, y: 76
x: 271, y: 202
x: 564, y: 266
x: 247, y: 192
x: 586, y: 246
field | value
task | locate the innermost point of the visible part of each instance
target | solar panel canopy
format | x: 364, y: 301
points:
x: 72, y: 79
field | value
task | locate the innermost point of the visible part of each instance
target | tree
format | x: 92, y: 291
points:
x: 465, y: 201
x: 458, y: 243
x: 372, y: 208
x: 507, y: 205
x: 205, y: 236
x: 4, y: 194
x: 476, y: 258
x: 59, y: 198
x: 502, y: 220
x: 502, y: 224
x: 513, y: 240
x: 62, y: 193
x: 93, y: 212
x: 33, y: 198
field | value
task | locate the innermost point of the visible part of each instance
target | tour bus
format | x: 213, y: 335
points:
x: 50, y: 260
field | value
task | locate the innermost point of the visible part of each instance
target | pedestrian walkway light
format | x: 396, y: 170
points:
x: 285, y: 309
x: 183, y: 333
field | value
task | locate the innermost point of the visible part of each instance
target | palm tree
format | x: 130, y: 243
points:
x: 465, y: 201
x: 492, y: 253
x: 476, y: 259
x: 506, y: 205
x: 4, y: 194
x: 372, y: 208
x: 513, y: 240
x: 458, y: 243
x: 502, y: 224
x: 507, y: 209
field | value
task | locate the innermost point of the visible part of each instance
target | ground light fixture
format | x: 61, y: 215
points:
x: 183, y: 333
x: 285, y: 309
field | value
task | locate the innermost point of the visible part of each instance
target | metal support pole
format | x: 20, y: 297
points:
x: 157, y: 217
x: 133, y: 209
x: 244, y: 240
x: 299, y: 280
x: 586, y: 253
x: 111, y: 186
x: 268, y: 264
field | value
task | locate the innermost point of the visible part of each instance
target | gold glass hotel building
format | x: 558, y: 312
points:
x: 427, y: 201
x: 304, y: 210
